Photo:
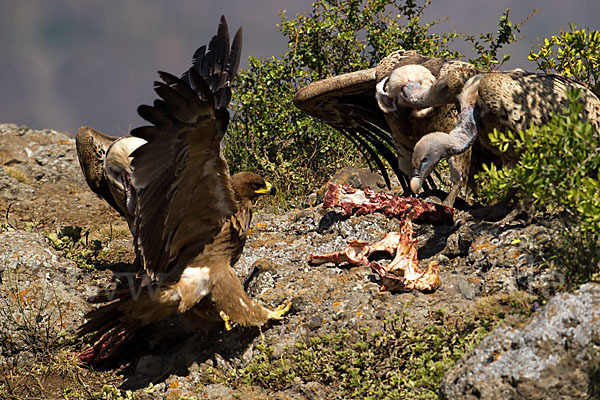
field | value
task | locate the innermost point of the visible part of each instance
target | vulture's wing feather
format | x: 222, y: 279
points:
x: 347, y: 103
x: 519, y: 99
x: 182, y: 179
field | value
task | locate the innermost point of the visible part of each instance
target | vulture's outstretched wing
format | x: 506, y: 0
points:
x: 347, y: 103
x: 184, y: 192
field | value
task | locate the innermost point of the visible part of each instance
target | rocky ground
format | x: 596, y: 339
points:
x: 491, y: 275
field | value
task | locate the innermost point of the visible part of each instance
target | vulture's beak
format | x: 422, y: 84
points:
x: 416, y: 182
x: 268, y: 189
x: 415, y: 95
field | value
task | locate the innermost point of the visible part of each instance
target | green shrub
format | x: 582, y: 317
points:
x: 558, y: 166
x: 337, y: 37
x: 575, y: 53
x: 272, y: 137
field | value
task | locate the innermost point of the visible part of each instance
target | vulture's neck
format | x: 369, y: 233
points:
x: 464, y: 133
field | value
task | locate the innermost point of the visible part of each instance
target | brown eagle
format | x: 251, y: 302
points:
x: 188, y: 217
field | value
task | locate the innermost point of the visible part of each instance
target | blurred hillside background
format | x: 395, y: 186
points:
x: 67, y: 63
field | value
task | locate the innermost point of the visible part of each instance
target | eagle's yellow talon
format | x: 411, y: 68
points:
x: 281, y: 310
x: 227, y: 320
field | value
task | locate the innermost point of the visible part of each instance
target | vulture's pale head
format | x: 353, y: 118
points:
x: 389, y: 92
x: 428, y: 151
x: 431, y: 148
x: 446, y: 90
x: 117, y: 162
x: 250, y: 186
x: 118, y: 172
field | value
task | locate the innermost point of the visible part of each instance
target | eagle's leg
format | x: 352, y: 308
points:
x: 233, y: 303
x: 226, y: 320
x: 276, y: 314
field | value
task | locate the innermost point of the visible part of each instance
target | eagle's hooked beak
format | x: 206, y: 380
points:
x: 268, y: 189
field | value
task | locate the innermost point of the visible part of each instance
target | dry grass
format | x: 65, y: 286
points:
x: 17, y: 174
x: 496, y: 307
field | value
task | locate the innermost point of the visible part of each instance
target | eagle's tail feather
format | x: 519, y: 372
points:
x: 109, y: 343
x: 110, y: 329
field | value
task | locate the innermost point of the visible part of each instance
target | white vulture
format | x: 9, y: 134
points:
x: 512, y: 100
x: 188, y: 217
x: 367, y: 108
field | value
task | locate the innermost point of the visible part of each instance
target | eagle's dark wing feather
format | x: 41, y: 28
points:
x: 182, y: 179
x: 220, y: 64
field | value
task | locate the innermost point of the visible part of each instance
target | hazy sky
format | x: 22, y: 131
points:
x: 67, y: 63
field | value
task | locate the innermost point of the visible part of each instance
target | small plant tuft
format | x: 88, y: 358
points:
x: 17, y: 173
x: 76, y: 246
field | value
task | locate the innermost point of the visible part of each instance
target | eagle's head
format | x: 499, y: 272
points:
x: 249, y: 186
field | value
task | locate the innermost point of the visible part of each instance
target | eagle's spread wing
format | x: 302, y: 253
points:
x: 184, y: 192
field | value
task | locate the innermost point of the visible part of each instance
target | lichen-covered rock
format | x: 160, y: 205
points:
x: 556, y: 355
x: 41, y: 296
